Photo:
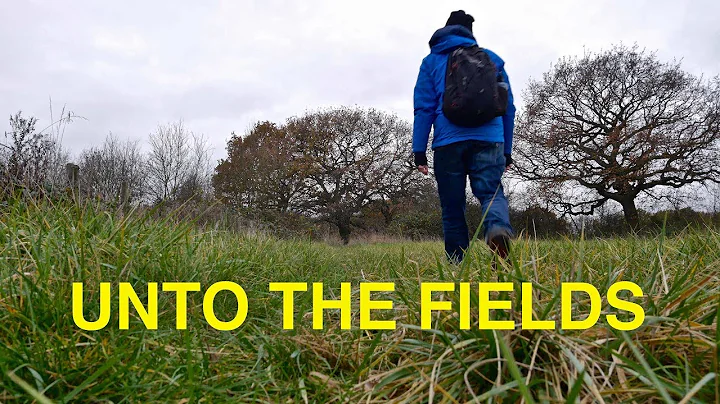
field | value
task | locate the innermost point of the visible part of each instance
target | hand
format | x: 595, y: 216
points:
x: 423, y: 169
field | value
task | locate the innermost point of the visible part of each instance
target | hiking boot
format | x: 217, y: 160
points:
x: 498, y: 239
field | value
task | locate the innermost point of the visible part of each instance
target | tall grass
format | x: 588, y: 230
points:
x: 44, y: 357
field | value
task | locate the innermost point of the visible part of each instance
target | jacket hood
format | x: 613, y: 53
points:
x: 448, y: 38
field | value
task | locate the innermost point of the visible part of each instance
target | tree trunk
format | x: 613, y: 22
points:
x: 344, y: 229
x: 387, y: 213
x: 631, y: 213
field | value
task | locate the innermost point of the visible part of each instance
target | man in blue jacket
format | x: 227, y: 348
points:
x: 481, y: 153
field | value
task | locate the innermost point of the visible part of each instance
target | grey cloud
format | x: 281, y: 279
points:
x: 219, y: 65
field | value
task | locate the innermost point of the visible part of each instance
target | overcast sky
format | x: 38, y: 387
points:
x: 220, y: 65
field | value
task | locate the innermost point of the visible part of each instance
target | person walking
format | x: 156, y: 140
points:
x: 463, y: 94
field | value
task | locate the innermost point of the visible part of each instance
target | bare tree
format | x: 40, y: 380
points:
x: 104, y: 169
x: 714, y: 198
x: 26, y: 155
x: 351, y: 158
x: 617, y: 124
x: 178, y: 161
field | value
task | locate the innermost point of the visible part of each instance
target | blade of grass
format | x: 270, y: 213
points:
x: 41, y: 398
x: 648, y: 370
x: 514, y: 370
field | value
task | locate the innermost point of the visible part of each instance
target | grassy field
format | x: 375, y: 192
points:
x: 45, y: 357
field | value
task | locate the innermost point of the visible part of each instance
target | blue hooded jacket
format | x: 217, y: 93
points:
x: 429, y: 92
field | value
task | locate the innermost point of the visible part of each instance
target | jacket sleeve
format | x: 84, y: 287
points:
x: 509, y: 117
x: 425, y: 102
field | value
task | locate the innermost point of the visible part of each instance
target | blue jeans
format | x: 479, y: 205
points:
x: 484, y: 163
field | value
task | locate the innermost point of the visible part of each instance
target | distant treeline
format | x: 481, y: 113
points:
x: 324, y: 176
x: 602, y: 131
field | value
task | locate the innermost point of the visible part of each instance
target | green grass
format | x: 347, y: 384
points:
x: 44, y: 357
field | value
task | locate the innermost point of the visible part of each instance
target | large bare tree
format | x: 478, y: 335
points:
x: 330, y: 165
x: 617, y: 124
x: 352, y: 157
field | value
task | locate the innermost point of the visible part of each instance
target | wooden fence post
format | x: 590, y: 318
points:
x: 125, y: 197
x: 73, y: 174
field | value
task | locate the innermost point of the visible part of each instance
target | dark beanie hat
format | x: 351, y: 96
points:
x: 460, y: 18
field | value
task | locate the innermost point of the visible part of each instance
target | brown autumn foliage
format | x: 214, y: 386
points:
x: 260, y: 171
x: 329, y: 165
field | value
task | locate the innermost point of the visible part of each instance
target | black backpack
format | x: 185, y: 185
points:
x: 474, y: 91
